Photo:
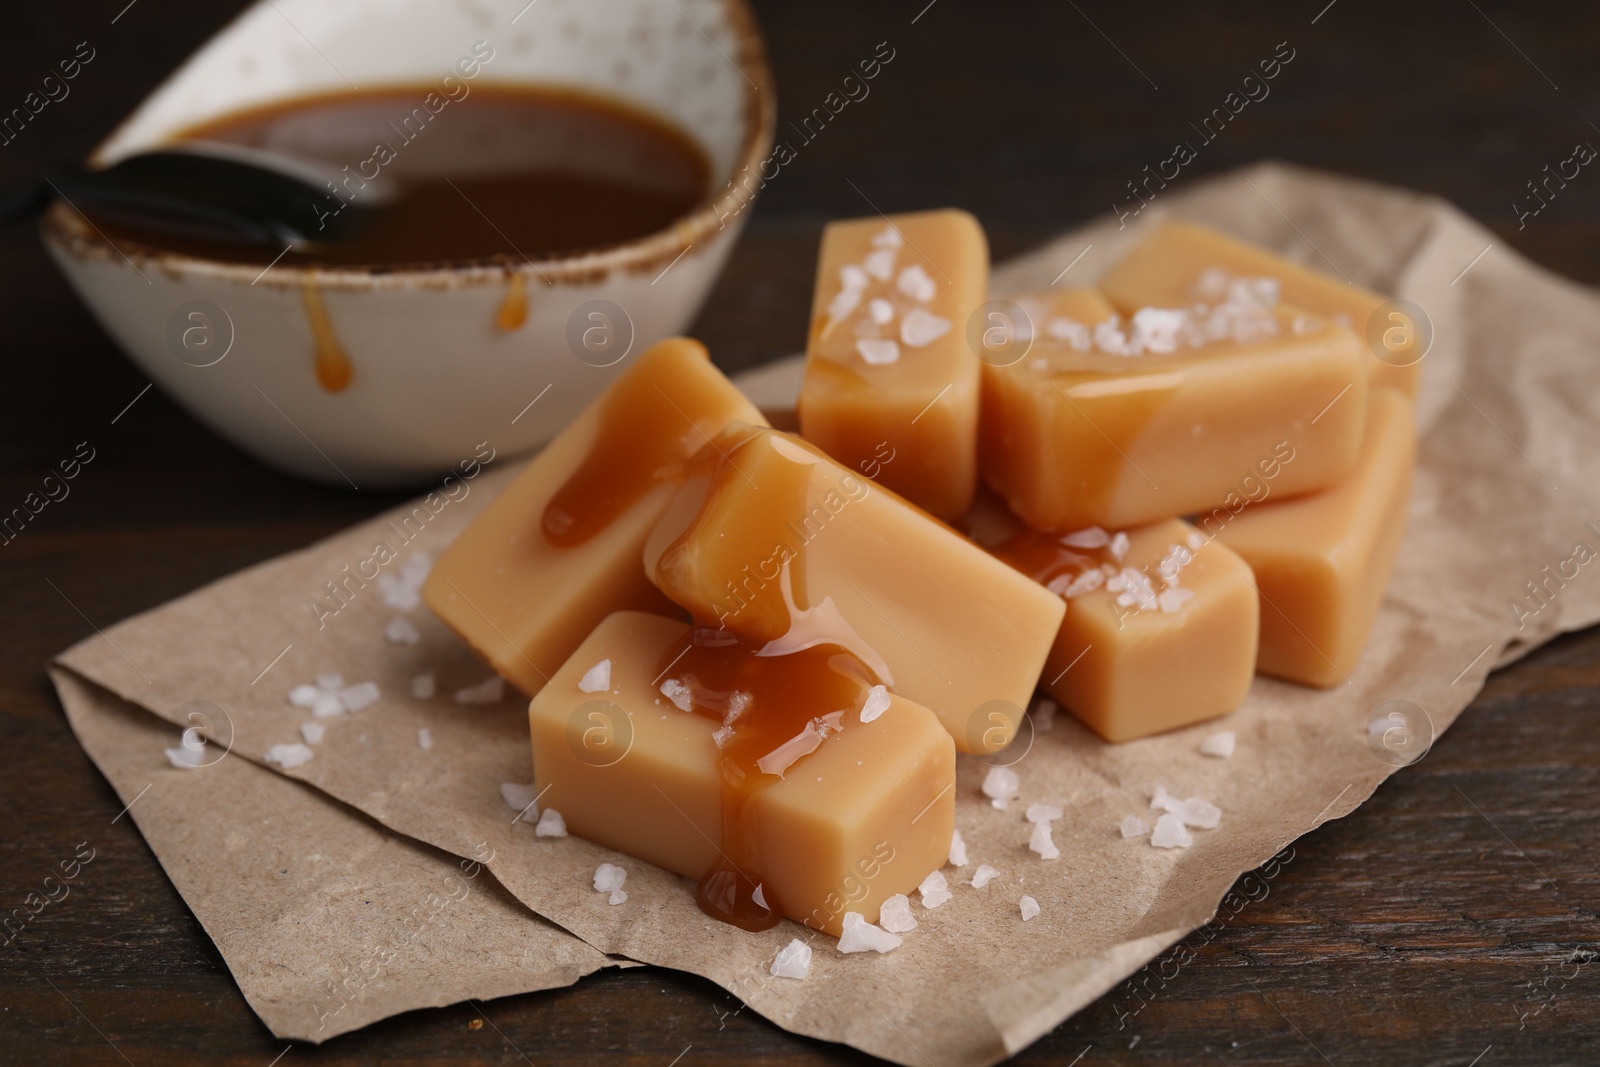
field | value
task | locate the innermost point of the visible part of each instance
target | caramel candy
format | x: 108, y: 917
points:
x: 788, y: 773
x: 1160, y: 630
x: 558, y: 550
x: 1322, y: 562
x: 891, y: 387
x: 1182, y: 263
x: 779, y: 544
x: 1115, y: 423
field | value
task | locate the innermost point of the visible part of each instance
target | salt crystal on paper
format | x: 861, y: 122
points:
x: 328, y: 681
x: 550, y: 824
x: 422, y: 686
x: 489, y: 691
x: 983, y: 875
x: 288, y: 756
x: 402, y: 631
x: 1029, y: 908
x: 920, y: 328
x: 312, y: 732
x: 327, y: 705
x: 878, y: 353
x: 861, y: 936
x: 1198, y: 812
x: 876, y: 703
x: 793, y: 960
x: 424, y: 738
x: 894, y: 914
x: 1000, y: 785
x: 1133, y: 826
x: 1218, y: 744
x: 935, y: 890
x: 185, y: 758
x: 520, y: 798
x: 1042, y: 813
x: 678, y: 693
x: 1171, y: 833
x: 1162, y: 800
x: 1092, y: 537
x: 879, y: 264
x: 358, y: 696
x: 880, y: 310
x: 1041, y: 842
x: 399, y: 593
x: 304, y: 696
x: 596, y: 679
x: 608, y: 878
x: 915, y: 283
x: 958, y: 850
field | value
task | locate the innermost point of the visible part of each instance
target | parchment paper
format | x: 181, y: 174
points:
x: 1510, y: 414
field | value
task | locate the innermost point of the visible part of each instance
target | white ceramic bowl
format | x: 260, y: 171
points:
x: 434, y: 372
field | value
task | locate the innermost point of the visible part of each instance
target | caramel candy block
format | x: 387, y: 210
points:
x: 787, y: 773
x: 891, y: 386
x: 1110, y: 422
x: 1160, y: 629
x: 1182, y: 263
x: 779, y: 544
x: 1322, y: 562
x: 558, y: 550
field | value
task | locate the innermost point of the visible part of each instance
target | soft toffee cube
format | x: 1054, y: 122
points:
x: 891, y: 385
x: 559, y: 549
x: 1160, y: 630
x: 777, y: 543
x: 787, y: 786
x: 1322, y: 561
x: 1117, y: 422
x: 1182, y: 263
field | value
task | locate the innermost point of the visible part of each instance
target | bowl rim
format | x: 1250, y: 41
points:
x: 653, y: 252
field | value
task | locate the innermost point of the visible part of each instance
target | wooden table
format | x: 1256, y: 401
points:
x: 1452, y: 917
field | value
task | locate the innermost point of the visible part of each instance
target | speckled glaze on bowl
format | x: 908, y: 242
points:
x: 434, y: 367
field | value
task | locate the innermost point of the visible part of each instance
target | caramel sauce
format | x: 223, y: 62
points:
x: 645, y: 437
x: 1042, y: 556
x: 332, y: 365
x: 498, y: 172
x: 513, y: 313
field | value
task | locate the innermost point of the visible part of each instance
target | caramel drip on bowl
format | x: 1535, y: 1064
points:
x: 331, y: 363
x: 513, y: 313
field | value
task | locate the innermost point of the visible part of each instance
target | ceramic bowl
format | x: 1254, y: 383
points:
x: 446, y: 359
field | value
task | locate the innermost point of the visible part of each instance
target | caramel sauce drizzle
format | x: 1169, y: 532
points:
x: 332, y: 364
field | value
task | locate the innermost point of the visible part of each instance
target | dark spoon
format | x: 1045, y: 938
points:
x: 213, y: 193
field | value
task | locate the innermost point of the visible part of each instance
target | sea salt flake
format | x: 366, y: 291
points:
x: 852, y: 278
x: 422, y: 686
x: 327, y: 706
x: 596, y: 679
x: 329, y: 681
x: 875, y: 704
x: 424, y: 738
x: 608, y: 878
x: 398, y: 593
x: 304, y: 696
x: 934, y: 890
x: 1118, y: 546
x: 550, y: 824
x: 1092, y: 537
x: 1172, y: 600
x: 915, y: 283
x: 489, y: 691
x: 879, y: 264
x: 894, y: 914
x: 888, y: 237
x: 358, y: 696
x: 878, y: 352
x: 958, y: 850
x: 288, y: 756
x: 401, y: 631
x: 1072, y: 586
x: 1000, y: 785
x: 311, y: 732
x: 1195, y: 541
x: 793, y: 960
x: 920, y: 328
x: 1041, y: 842
x: 1042, y: 813
x: 1029, y: 908
x: 1171, y: 833
x: 521, y: 798
x: 862, y: 936
x: 983, y: 875
x: 1199, y: 813
x: 840, y: 307
x: 880, y: 311
x: 1133, y: 826
x: 678, y: 693
x: 1218, y: 744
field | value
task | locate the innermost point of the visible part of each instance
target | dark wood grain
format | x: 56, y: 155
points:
x: 1453, y: 916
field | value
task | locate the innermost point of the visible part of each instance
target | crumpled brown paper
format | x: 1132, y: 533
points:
x: 1510, y: 420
